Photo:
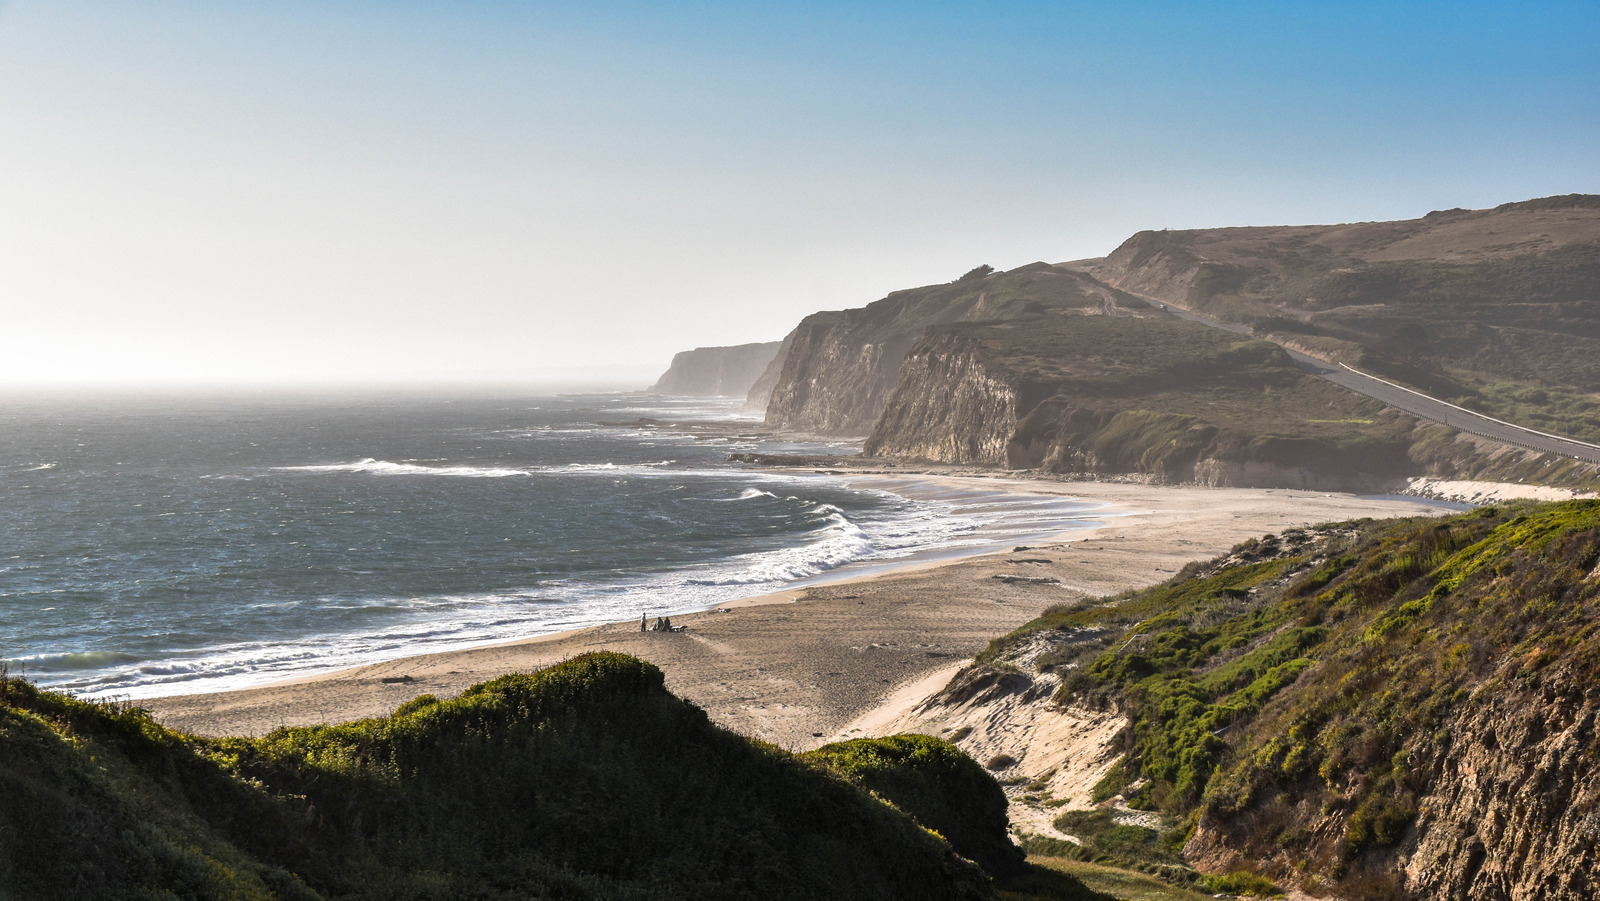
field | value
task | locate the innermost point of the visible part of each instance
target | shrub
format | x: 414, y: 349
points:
x: 1242, y: 882
x: 939, y: 786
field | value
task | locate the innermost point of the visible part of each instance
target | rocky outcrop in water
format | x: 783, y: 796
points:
x: 724, y: 371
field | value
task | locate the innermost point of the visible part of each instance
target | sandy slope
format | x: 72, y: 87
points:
x: 1473, y: 492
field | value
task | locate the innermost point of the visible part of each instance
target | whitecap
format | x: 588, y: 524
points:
x: 384, y: 467
x: 749, y: 494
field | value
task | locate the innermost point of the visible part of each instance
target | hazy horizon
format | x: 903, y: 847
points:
x: 574, y: 381
x: 417, y: 193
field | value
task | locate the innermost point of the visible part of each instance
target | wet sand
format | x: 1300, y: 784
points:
x: 796, y: 667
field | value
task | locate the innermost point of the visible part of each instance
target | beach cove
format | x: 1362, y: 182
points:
x: 798, y: 667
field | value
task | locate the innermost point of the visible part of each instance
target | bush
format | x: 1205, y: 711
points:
x: 939, y: 786
x: 1242, y: 882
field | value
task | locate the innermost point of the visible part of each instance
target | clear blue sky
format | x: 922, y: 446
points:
x: 302, y: 191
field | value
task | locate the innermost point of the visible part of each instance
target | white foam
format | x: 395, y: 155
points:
x: 838, y: 543
x: 386, y: 468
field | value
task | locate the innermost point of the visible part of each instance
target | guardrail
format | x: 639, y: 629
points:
x: 1575, y: 454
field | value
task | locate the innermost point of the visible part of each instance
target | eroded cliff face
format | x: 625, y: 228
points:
x: 1510, y: 812
x: 761, y: 390
x: 723, y: 371
x: 841, y: 367
x: 831, y: 384
x: 1515, y: 810
x: 947, y: 407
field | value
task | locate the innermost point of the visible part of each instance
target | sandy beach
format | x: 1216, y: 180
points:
x: 797, y: 667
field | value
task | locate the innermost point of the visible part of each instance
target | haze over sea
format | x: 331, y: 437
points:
x: 158, y: 547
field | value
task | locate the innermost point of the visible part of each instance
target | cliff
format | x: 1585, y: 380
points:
x: 761, y: 389
x: 840, y: 367
x: 724, y: 371
x: 1157, y: 397
x: 1373, y: 710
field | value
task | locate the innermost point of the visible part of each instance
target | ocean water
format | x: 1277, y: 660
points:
x: 152, y: 547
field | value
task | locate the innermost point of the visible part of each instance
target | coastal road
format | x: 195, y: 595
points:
x: 1414, y: 402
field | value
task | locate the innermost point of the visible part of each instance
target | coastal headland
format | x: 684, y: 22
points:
x: 797, y: 667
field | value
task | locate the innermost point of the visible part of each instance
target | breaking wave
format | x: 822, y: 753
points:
x: 386, y: 468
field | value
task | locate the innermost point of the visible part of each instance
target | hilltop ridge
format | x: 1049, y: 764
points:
x: 840, y: 367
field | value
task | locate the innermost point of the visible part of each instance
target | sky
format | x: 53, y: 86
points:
x: 296, y: 192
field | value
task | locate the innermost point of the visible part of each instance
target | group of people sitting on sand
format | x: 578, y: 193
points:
x: 663, y: 624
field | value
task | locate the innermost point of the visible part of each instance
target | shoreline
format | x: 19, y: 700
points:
x: 798, y: 665
x: 995, y: 517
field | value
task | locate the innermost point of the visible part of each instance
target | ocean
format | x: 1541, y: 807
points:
x: 156, y: 546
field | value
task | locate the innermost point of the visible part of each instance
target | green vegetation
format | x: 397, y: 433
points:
x: 1242, y: 882
x: 1101, y: 835
x: 585, y: 780
x: 939, y: 786
x: 1293, y: 699
x: 1133, y: 862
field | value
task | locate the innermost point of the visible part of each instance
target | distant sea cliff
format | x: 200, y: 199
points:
x: 722, y: 371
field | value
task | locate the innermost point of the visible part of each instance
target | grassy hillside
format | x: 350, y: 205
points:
x: 1363, y: 708
x: 1137, y: 395
x: 1482, y: 307
x: 585, y: 780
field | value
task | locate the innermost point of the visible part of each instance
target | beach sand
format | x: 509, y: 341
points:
x: 797, y: 667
